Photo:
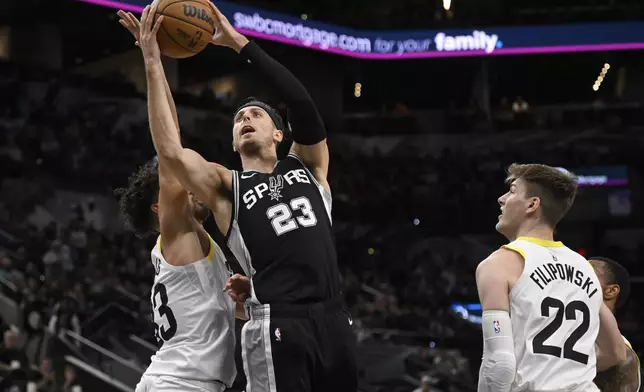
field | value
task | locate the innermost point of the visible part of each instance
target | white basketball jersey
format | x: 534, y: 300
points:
x: 554, y: 310
x: 194, y: 319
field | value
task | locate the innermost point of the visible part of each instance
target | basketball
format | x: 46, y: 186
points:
x: 187, y: 27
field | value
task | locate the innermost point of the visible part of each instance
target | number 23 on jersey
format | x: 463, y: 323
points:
x: 281, y: 215
x: 165, y: 324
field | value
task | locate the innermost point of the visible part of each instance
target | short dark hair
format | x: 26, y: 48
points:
x: 616, y: 274
x: 135, y: 200
x: 284, y: 146
x: 555, y: 188
x: 272, y: 112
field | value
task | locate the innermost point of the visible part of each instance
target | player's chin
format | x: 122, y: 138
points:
x: 499, y: 226
x: 250, y: 145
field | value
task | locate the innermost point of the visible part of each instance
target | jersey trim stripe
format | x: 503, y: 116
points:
x: 639, y: 374
x: 211, y: 252
x: 235, y: 201
x: 539, y: 241
x: 245, y: 356
x: 269, y: 354
x: 235, y: 196
x: 516, y: 249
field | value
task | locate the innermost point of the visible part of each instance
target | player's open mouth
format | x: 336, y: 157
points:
x: 247, y: 129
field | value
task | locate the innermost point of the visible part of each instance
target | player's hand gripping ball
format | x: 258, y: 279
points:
x: 186, y: 29
x: 188, y: 26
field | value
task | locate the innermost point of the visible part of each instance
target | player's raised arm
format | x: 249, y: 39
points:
x: 610, y: 343
x: 191, y: 169
x: 498, y: 366
x: 309, y: 133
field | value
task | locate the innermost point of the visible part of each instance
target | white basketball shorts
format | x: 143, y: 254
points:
x: 174, y: 384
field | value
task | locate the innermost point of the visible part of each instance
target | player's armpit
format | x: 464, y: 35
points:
x: 610, y: 342
x: 492, y: 280
x: 316, y: 159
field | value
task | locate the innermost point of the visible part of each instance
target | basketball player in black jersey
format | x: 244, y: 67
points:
x: 276, y: 214
x: 615, y: 283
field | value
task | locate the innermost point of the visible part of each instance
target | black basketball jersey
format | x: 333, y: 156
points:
x: 282, y: 229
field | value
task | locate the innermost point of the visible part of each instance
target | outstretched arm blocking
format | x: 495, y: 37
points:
x: 309, y: 134
x: 611, y: 349
x: 193, y: 172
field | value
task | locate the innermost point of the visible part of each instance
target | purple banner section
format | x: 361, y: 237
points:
x: 604, y: 183
x: 418, y: 44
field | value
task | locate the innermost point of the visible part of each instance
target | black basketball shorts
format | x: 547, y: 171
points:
x: 300, y: 348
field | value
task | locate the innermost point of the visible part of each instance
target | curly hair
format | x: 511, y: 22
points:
x: 135, y: 200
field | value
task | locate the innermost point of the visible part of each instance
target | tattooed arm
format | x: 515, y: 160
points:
x: 624, y: 377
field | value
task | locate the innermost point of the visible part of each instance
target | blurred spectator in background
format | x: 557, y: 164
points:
x: 64, y: 318
x: 70, y: 384
x: 34, y: 308
x: 48, y: 381
x: 13, y: 362
x: 425, y: 384
x: 12, y: 356
x: 93, y: 216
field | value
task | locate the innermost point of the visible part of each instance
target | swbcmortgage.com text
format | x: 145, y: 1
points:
x: 307, y: 36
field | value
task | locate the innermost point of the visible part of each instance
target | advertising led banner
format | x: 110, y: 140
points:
x: 601, y: 176
x: 394, y: 45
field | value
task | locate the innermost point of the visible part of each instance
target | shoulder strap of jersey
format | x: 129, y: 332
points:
x: 297, y: 158
x: 221, y: 239
x: 211, y: 252
x: 230, y: 257
x: 514, y: 246
x: 236, y: 196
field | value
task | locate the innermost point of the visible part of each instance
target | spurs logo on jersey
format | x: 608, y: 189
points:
x: 276, y: 185
x: 554, y: 308
x: 273, y: 186
x: 194, y: 321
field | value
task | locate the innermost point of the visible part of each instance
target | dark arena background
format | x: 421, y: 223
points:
x: 426, y: 103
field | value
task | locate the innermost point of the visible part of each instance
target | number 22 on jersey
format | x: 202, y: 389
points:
x: 165, y: 324
x: 570, y: 312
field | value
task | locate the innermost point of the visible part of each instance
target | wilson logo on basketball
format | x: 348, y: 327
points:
x: 193, y: 12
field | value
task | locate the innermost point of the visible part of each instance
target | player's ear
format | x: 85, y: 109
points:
x: 155, y: 207
x: 278, y: 135
x: 611, y: 291
x: 234, y: 148
x: 533, y: 204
